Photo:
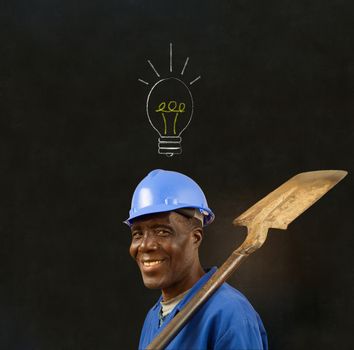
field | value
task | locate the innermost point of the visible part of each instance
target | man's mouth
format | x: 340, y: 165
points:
x: 152, y: 262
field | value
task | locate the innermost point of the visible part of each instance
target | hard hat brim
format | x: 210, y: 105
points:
x: 162, y: 208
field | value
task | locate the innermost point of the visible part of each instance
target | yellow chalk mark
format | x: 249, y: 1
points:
x: 165, y: 123
x: 174, y: 124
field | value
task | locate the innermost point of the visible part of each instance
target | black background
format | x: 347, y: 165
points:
x: 275, y: 99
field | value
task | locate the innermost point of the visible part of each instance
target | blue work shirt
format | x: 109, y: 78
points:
x: 227, y: 321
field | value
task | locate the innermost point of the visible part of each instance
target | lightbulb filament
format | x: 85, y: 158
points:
x: 172, y: 107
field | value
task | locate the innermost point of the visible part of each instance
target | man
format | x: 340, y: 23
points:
x: 168, y: 213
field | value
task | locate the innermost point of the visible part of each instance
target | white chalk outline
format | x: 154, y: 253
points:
x: 191, y: 112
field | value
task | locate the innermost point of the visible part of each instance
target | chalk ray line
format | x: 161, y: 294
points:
x: 185, y: 65
x: 171, y: 57
x: 151, y: 65
x: 143, y: 81
x: 193, y: 81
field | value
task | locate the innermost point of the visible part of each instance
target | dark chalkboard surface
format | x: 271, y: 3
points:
x: 274, y: 98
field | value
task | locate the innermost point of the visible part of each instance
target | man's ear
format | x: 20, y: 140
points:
x: 197, y: 235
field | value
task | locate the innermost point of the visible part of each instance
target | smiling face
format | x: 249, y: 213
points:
x: 165, y: 247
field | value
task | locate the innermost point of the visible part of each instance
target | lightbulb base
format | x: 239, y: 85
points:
x: 170, y: 145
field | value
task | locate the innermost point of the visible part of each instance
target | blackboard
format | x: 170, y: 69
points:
x: 274, y: 98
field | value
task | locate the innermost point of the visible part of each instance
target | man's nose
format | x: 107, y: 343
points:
x: 148, y: 242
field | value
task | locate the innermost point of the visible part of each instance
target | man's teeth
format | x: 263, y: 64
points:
x: 151, y: 263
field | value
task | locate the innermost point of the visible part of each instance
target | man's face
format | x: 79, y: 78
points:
x: 165, y: 246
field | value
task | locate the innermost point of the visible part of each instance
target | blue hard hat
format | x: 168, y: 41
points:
x: 163, y: 190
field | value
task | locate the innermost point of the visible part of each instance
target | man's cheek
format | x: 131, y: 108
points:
x: 132, y: 251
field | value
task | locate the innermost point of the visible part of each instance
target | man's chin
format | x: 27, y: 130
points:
x: 151, y: 286
x: 152, y: 283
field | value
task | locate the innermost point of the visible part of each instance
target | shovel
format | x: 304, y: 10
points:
x: 277, y: 210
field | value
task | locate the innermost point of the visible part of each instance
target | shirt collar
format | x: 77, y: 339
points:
x: 193, y: 290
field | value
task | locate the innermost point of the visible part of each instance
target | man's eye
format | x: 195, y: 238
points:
x: 136, y: 234
x: 162, y: 232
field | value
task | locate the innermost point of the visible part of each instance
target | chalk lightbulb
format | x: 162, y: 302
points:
x: 169, y: 107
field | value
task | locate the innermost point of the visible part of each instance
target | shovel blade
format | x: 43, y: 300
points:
x: 280, y: 207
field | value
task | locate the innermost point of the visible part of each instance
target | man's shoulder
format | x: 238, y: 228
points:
x: 228, y: 315
x: 229, y: 301
x: 231, y: 294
